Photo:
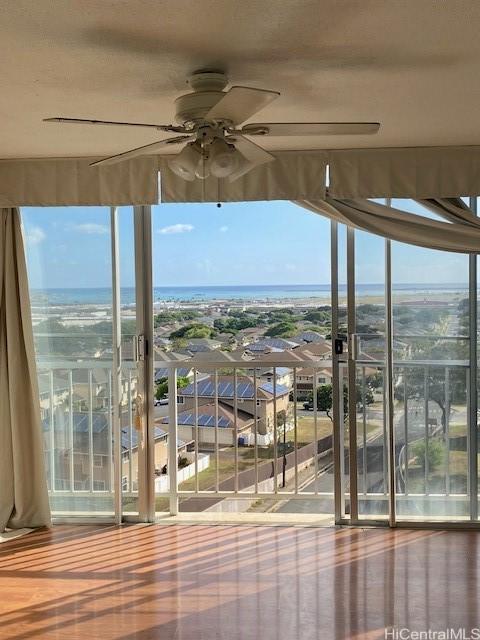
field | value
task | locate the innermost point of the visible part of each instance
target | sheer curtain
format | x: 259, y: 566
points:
x: 23, y: 485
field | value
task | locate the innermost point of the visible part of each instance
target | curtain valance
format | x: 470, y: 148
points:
x: 417, y: 172
x: 293, y: 175
x: 72, y: 181
x: 463, y: 236
x: 420, y: 173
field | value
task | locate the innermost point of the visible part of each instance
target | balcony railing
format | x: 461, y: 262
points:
x: 263, y: 441
x: 243, y: 439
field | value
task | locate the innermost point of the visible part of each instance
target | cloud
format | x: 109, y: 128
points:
x: 177, y: 228
x: 91, y: 228
x: 223, y: 229
x: 35, y: 235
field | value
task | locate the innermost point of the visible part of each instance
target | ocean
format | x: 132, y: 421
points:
x: 103, y: 296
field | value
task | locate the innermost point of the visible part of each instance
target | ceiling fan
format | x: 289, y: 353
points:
x: 208, y: 120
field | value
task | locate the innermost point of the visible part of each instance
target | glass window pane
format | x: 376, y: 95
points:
x: 251, y: 280
x: 69, y: 267
x: 431, y: 373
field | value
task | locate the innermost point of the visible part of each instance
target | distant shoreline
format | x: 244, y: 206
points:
x: 249, y: 294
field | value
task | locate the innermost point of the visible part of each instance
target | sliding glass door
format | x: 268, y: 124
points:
x: 362, y: 380
x: 412, y: 443
x: 86, y: 268
x: 69, y: 265
x: 432, y: 378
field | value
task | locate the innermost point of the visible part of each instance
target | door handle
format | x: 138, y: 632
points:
x: 140, y: 348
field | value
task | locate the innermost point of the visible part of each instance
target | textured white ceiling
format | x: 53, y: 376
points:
x: 413, y: 65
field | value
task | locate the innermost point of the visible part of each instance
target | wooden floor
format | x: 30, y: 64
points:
x: 235, y: 582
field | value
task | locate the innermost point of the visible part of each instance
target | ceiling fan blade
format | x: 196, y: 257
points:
x: 159, y: 127
x: 253, y: 154
x: 241, y: 103
x: 310, y: 128
x: 141, y: 151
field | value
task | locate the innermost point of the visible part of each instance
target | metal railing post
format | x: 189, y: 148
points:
x: 389, y: 418
x: 172, y: 441
x: 352, y: 377
x: 337, y: 390
x: 115, y: 379
x: 473, y: 379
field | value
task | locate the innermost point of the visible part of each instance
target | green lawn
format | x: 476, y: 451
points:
x: 246, y: 455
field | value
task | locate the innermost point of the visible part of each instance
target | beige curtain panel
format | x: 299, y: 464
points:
x: 72, y: 181
x: 293, y: 175
x: 23, y: 485
x: 415, y: 172
x: 461, y: 232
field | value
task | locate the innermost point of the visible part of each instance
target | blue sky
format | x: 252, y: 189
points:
x: 201, y: 244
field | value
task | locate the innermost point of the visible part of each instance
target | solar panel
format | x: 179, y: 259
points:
x: 245, y: 390
x: 204, y: 420
x: 268, y: 386
x: 222, y: 389
x: 161, y: 373
x: 280, y: 388
x: 186, y: 391
x: 209, y: 389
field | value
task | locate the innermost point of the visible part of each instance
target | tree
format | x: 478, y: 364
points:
x: 316, y: 328
x: 161, y: 389
x: 325, y: 398
x: 182, y: 315
x: 179, y: 343
x: 286, y: 329
x: 413, y: 381
x: 281, y: 315
x: 195, y: 330
x: 317, y: 316
x: 435, y: 454
x: 232, y: 325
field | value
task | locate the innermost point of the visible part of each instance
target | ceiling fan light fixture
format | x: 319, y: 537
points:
x: 223, y: 158
x: 202, y: 170
x: 185, y: 164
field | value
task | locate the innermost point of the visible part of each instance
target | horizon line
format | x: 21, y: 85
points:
x: 216, y: 286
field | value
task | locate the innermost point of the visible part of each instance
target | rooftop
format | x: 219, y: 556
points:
x: 226, y: 389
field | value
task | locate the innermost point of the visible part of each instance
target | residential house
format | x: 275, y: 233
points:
x: 258, y: 402
x: 284, y: 375
x: 306, y: 378
x: 308, y: 336
x: 318, y: 350
x: 268, y: 344
x: 130, y: 454
x: 213, y: 424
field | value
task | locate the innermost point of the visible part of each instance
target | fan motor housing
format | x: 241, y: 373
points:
x: 195, y: 106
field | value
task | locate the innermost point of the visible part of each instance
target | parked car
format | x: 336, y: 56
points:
x: 308, y: 406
